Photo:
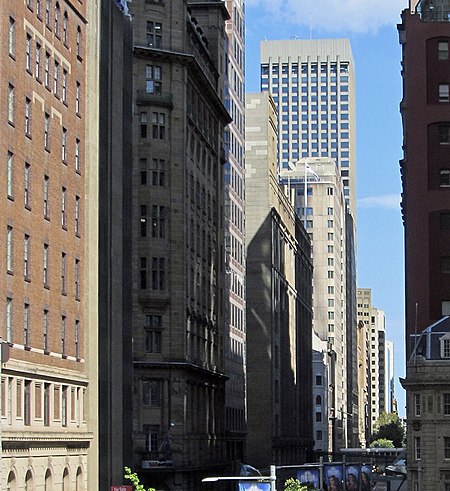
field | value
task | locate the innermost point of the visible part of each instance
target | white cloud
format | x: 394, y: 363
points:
x: 389, y: 201
x: 334, y: 15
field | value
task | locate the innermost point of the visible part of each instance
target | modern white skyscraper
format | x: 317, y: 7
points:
x: 313, y: 85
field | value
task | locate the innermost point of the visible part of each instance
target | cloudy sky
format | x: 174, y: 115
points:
x: 371, y: 27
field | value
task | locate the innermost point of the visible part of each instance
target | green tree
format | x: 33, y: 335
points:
x: 382, y: 443
x: 389, y: 427
x: 133, y: 477
x: 294, y: 485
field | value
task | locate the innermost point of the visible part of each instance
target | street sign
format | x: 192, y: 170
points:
x: 121, y: 488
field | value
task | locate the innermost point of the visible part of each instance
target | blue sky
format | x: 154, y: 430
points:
x: 371, y: 28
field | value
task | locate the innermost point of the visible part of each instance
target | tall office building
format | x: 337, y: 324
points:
x: 425, y: 36
x: 235, y: 341
x: 313, y: 86
x: 178, y: 241
x: 390, y: 404
x: 279, y: 304
x: 324, y: 207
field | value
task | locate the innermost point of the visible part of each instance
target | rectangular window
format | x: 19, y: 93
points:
x: 152, y: 442
x: 28, y: 117
x: 63, y: 335
x: 151, y: 392
x: 63, y: 208
x: 26, y: 185
x: 47, y: 404
x: 153, y: 333
x: 154, y: 34
x: 417, y: 405
x: 26, y: 325
x: 158, y: 170
x: 64, y: 406
x: 11, y: 93
x: 10, y: 175
x: 64, y: 145
x: 158, y: 222
x: 48, y: 17
x: 158, y: 273
x: 77, y: 278
x: 77, y: 156
x: 64, y: 86
x: 159, y: 126
x: 446, y: 398
x: 144, y: 124
x: 9, y: 320
x: 28, y: 53
x: 12, y: 37
x: 63, y: 274
x: 446, y: 447
x: 143, y: 273
x: 47, y: 131
x: 46, y: 197
x: 46, y: 265
x: 417, y: 453
x: 444, y: 134
x: 37, y: 62
x: 56, y: 78
x: 153, y: 79
x: 78, y: 98
x: 26, y: 257
x: 78, y: 42
x: 77, y: 339
x: 45, y: 326
x: 318, y: 417
x: 47, y: 70
x: 9, y: 249
x: 442, y: 50
x: 444, y: 178
x: 27, y: 403
x: 77, y: 216
x: 443, y: 92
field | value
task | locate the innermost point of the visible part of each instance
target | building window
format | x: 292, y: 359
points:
x: 56, y: 79
x: 77, y: 339
x: 443, y: 92
x: 78, y: 41
x: 47, y: 407
x: 143, y: 273
x: 46, y: 198
x: 158, y: 273
x: 144, y: 122
x: 64, y: 145
x: 26, y: 257
x: 446, y: 399
x: 417, y: 405
x: 445, y: 264
x: 48, y: 14
x: 442, y: 50
x: 9, y: 249
x: 151, y: 392
x: 45, y: 330
x: 64, y: 407
x: 77, y: 216
x: 26, y: 185
x: 318, y: 379
x: 318, y: 435
x: 9, y: 320
x: 78, y: 98
x: 152, y: 439
x: 77, y: 279
x: 446, y: 447
x: 10, y: 175
x: 318, y: 416
x: 143, y: 221
x: 158, y: 170
x: 57, y: 20
x: 37, y: 66
x: 63, y: 208
x: 12, y: 37
x: 11, y: 94
x: 65, y: 29
x: 26, y: 325
x: 158, y: 222
x: 63, y: 335
x: 27, y: 408
x: 153, y: 333
x: 77, y: 156
x: 47, y: 132
x: 444, y: 134
x: 28, y: 117
x: 39, y: 9
x: 64, y: 86
x: 330, y: 274
x: 154, y: 34
x: 47, y: 71
x: 417, y: 453
x: 46, y: 265
x: 153, y: 79
x: 159, y: 126
x: 444, y: 178
x: 28, y: 53
x: 63, y: 274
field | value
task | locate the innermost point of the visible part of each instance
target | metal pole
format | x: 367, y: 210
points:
x: 321, y: 472
x: 273, y: 478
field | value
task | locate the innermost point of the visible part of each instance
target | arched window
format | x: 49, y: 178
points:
x: 319, y: 400
x: 57, y: 20
x: 48, y: 15
x: 48, y: 485
x: 29, y: 482
x: 11, y: 482
x: 79, y: 482
x: 65, y: 481
x: 65, y: 29
x: 79, y: 42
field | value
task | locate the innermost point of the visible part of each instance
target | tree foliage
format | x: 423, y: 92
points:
x: 389, y: 427
x: 382, y: 443
x: 293, y: 484
x: 133, y: 477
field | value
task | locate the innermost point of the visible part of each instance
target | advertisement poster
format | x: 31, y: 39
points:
x: 254, y: 486
x: 309, y: 476
x: 352, y: 477
x: 366, y: 474
x: 333, y: 477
